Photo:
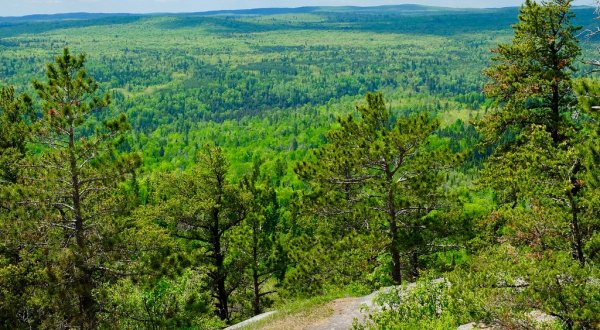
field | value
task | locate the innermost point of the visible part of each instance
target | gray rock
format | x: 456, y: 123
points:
x: 538, y: 316
x: 473, y: 326
x: 250, y: 321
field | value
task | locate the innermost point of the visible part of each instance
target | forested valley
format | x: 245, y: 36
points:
x: 190, y: 171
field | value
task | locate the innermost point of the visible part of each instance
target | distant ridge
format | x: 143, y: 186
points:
x: 313, y: 9
x: 62, y: 16
x: 396, y: 9
x: 408, y: 8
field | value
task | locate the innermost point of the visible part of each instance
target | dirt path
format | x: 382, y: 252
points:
x: 345, y: 310
x: 336, y: 315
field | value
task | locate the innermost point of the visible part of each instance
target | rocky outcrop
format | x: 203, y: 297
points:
x: 250, y: 321
x: 535, y: 317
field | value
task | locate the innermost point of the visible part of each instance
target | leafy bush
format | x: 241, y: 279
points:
x: 424, y: 305
x: 180, y: 303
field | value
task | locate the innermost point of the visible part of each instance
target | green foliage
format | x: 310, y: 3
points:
x: 180, y: 303
x: 378, y: 174
x: 501, y: 286
x: 504, y: 285
x: 308, y: 273
x: 589, y: 91
x: 532, y: 76
x: 541, y: 177
x: 193, y: 236
x: 15, y: 276
x: 201, y: 208
x: 253, y: 84
x: 533, y: 265
x: 15, y: 112
x: 427, y: 304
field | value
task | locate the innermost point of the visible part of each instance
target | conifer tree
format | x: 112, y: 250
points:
x: 533, y: 84
x: 202, y: 208
x: 541, y: 171
x: 259, y: 234
x: 382, y: 172
x: 18, y: 232
x: 75, y: 176
x: 532, y: 77
x: 14, y: 113
x: 588, y: 147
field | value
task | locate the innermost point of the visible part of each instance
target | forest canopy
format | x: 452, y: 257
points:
x: 191, y: 171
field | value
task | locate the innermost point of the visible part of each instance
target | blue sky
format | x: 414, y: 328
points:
x: 26, y: 7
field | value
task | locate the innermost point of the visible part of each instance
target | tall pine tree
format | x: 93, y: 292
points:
x: 376, y: 172
x: 202, y: 208
x: 541, y: 173
x: 533, y: 84
x: 75, y: 175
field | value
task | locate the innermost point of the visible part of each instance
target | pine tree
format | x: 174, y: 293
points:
x: 202, y: 208
x: 18, y: 233
x: 533, y: 85
x: 75, y: 176
x: 259, y: 234
x: 15, y: 111
x: 380, y: 172
x: 588, y: 147
x: 532, y: 76
x: 541, y: 171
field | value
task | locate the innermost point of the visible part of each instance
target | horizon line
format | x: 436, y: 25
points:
x: 254, y: 9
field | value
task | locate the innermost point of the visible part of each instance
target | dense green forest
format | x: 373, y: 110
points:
x: 188, y: 171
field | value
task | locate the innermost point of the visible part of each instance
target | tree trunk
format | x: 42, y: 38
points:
x: 555, y: 107
x: 576, y: 241
x: 391, y: 209
x: 83, y: 279
x: 414, y: 259
x: 222, y: 294
x: 256, y: 299
x: 255, y: 276
x: 396, y: 268
x: 220, y: 275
